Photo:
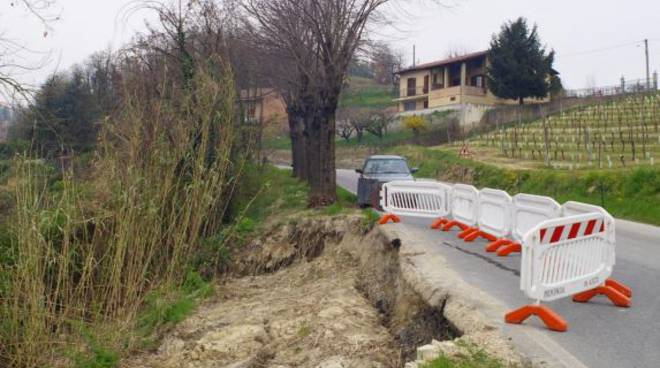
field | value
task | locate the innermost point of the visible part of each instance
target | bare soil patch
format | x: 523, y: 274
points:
x: 313, y: 293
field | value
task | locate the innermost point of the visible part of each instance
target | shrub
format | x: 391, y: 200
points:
x: 414, y: 123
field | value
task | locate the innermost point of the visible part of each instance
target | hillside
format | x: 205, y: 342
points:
x: 615, y: 134
x: 365, y: 92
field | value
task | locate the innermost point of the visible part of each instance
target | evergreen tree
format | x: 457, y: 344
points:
x: 62, y: 117
x: 519, y: 65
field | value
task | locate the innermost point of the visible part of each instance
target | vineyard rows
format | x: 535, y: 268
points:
x: 620, y: 133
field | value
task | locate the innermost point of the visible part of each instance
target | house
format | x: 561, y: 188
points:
x: 265, y: 106
x: 452, y: 83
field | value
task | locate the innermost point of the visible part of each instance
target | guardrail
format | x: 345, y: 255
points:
x: 566, y: 250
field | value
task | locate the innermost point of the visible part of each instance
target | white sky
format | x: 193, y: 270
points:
x: 572, y: 28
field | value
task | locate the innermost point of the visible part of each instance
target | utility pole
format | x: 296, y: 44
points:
x: 648, y: 74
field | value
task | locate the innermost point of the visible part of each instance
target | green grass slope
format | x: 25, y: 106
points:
x: 632, y: 193
x: 365, y: 92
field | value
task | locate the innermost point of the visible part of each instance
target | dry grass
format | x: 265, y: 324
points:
x: 165, y: 169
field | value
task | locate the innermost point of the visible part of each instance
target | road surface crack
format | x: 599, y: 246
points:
x: 481, y: 256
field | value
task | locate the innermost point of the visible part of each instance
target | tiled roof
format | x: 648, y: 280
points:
x: 438, y: 63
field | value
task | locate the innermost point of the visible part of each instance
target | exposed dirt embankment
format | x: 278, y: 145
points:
x: 321, y: 292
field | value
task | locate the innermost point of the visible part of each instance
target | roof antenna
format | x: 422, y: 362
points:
x: 414, y: 57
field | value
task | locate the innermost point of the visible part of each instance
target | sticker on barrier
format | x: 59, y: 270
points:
x: 494, y: 215
x: 426, y: 199
x: 568, y: 256
x: 464, y: 208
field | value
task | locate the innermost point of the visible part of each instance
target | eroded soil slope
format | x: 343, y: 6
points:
x: 309, y: 314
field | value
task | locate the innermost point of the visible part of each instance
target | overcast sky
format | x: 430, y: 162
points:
x: 597, y: 41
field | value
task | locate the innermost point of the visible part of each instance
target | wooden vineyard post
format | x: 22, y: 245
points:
x: 586, y: 144
x: 545, y: 143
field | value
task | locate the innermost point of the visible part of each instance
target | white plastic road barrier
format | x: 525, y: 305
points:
x: 528, y: 211
x: 567, y: 256
x: 495, y: 219
x: 426, y: 199
x: 464, y: 207
x: 572, y: 208
x: 577, y: 208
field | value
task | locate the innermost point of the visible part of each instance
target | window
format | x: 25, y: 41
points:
x: 477, y: 81
x: 454, y: 75
x: 251, y: 111
x: 386, y: 166
x: 412, y: 86
x: 438, y: 81
x: 409, y: 106
x: 426, y: 104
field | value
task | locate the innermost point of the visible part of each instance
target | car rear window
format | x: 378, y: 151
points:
x: 386, y: 166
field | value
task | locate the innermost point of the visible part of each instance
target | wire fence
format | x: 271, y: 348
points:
x: 625, y: 87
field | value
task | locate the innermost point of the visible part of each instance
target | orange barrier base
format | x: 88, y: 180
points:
x: 508, y: 249
x: 449, y: 225
x: 467, y: 232
x: 623, y: 289
x: 389, y: 217
x: 615, y: 296
x: 478, y: 234
x: 494, y: 246
x: 551, y: 319
x: 438, y: 223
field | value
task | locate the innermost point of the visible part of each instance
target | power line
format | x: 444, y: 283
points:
x: 601, y: 49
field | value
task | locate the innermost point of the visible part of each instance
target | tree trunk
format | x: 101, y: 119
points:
x: 296, y: 130
x: 321, y: 159
x: 521, y: 101
x: 359, y: 134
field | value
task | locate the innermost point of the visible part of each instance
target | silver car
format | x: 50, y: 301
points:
x: 377, y: 170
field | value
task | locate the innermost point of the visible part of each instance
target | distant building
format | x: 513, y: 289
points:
x: 265, y: 106
x: 449, y: 84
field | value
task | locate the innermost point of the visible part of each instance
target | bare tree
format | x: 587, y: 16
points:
x: 380, y: 121
x: 345, y: 129
x: 10, y: 49
x: 385, y: 62
x: 456, y: 50
x: 320, y: 37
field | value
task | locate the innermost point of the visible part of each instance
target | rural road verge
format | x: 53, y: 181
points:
x: 599, y: 335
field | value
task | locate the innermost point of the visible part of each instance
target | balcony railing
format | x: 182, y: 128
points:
x: 438, y: 90
x: 412, y: 92
x: 474, y: 91
x: 458, y: 90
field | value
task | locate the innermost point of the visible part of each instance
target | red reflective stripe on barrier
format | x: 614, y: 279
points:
x: 542, y: 234
x: 556, y: 235
x: 602, y: 227
x: 574, y: 231
x: 590, y: 227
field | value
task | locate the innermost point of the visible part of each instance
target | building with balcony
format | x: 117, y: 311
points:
x: 265, y: 106
x: 452, y: 83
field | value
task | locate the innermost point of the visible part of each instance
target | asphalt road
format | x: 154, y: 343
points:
x: 599, y: 334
